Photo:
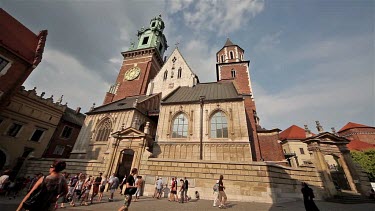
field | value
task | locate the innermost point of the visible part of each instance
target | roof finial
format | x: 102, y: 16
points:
x: 177, y: 43
x: 319, y: 127
x: 307, y: 132
x: 59, y: 101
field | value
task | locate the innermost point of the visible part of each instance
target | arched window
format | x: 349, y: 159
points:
x: 233, y: 73
x: 180, y: 126
x: 222, y: 58
x: 231, y: 54
x: 104, y: 130
x: 179, y: 73
x: 219, y: 125
x: 165, y: 75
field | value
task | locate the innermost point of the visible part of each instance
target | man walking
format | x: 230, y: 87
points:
x: 186, y: 187
x: 95, y: 187
x: 113, y: 184
x: 130, y: 190
x: 159, y: 186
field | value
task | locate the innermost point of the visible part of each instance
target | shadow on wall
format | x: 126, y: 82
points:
x: 286, y: 183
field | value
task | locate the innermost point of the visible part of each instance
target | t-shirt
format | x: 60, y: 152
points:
x: 221, y: 185
x: 3, y: 179
x: 159, y: 184
x: 131, y: 182
x: 97, y: 181
x: 115, y: 182
x: 186, y: 184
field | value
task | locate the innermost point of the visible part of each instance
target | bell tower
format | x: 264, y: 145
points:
x: 232, y: 67
x: 141, y: 62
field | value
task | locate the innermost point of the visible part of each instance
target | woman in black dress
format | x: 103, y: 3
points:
x: 308, y: 195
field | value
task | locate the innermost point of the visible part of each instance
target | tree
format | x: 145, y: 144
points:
x: 366, y: 159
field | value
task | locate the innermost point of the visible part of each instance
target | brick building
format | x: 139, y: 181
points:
x: 20, y: 53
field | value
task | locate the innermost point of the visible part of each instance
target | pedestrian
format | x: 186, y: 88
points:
x: 64, y: 197
x: 122, y: 184
x: 159, y: 187
x: 72, y: 183
x: 216, y: 193
x: 130, y: 190
x: 186, y: 188
x: 308, y: 196
x: 78, y: 188
x: 172, y: 196
x: 222, y: 195
x: 176, y: 185
x: 197, y: 195
x: 103, y: 183
x: 86, y: 191
x: 4, y: 181
x: 34, y: 180
x: 52, y: 187
x: 371, y: 194
x: 139, y: 185
x: 113, y: 184
x: 95, y: 187
x: 182, y: 190
x: 156, y: 188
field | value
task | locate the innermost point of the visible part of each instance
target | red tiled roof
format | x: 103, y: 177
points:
x: 359, y: 145
x: 293, y: 132
x: 17, y: 37
x: 351, y: 125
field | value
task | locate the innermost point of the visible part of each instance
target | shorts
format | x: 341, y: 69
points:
x: 159, y: 190
x: 174, y: 192
x: 78, y: 192
x: 71, y: 190
x: 95, y: 189
x: 127, y: 200
x: 102, y: 187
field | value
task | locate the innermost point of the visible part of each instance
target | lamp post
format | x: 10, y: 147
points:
x: 201, y: 101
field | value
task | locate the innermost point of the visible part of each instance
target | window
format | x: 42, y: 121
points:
x: 153, y: 24
x: 67, y: 132
x: 59, y: 150
x: 219, y: 125
x: 165, y: 75
x: 180, y: 127
x: 14, y: 129
x: 179, y: 73
x: 37, y: 135
x: 145, y: 41
x: 301, y: 151
x: 231, y: 54
x: 104, y: 130
x: 233, y: 73
x: 222, y: 58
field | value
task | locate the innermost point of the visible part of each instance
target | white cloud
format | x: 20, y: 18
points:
x: 61, y: 74
x: 268, y: 42
x: 220, y: 16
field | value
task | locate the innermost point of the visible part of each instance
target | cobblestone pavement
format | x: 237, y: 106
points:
x: 151, y: 204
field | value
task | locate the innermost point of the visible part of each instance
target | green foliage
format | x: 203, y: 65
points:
x: 366, y: 160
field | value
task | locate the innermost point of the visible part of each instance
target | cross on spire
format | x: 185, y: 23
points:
x: 177, y: 43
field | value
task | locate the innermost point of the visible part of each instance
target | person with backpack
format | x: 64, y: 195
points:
x: 113, y: 184
x: 222, y: 195
x: 130, y: 189
x: 216, y: 193
x: 47, y: 190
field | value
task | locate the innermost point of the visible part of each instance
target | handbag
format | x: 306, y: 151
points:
x: 39, y: 199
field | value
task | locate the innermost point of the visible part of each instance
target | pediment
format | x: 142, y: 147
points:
x: 327, y: 138
x: 129, y: 132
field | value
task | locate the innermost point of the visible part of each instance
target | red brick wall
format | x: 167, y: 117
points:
x: 242, y: 76
x: 58, y: 140
x: 361, y: 134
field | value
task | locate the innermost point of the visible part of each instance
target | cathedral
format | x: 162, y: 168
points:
x: 159, y: 117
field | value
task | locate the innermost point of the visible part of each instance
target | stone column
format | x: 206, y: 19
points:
x: 348, y: 172
x: 322, y: 168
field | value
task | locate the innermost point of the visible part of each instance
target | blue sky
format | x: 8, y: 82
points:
x: 310, y: 60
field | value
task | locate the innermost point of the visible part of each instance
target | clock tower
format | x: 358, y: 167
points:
x: 141, y: 62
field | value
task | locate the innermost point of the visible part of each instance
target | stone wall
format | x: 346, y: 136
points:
x: 258, y: 181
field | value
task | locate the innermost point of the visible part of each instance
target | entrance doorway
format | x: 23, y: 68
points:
x: 125, y: 163
x: 337, y: 172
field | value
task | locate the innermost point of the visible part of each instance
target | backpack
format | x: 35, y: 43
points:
x: 216, y: 187
x: 40, y: 198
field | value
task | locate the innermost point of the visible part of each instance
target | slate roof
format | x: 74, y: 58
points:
x: 70, y: 115
x: 228, y: 43
x: 351, y: 125
x: 211, y: 91
x: 293, y: 132
x: 359, y: 145
x: 123, y: 104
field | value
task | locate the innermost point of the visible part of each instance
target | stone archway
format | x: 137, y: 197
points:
x: 125, y: 163
x: 325, y: 144
x: 337, y: 172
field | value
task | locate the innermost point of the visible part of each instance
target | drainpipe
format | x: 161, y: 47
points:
x: 201, y: 100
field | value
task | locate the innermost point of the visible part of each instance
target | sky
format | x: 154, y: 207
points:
x: 309, y: 60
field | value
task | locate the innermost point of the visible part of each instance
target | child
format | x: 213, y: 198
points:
x: 197, y: 195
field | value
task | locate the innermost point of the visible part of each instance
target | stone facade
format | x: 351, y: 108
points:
x: 26, y: 126
x: 174, y: 73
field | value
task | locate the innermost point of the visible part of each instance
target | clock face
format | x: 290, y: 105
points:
x: 132, y: 73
